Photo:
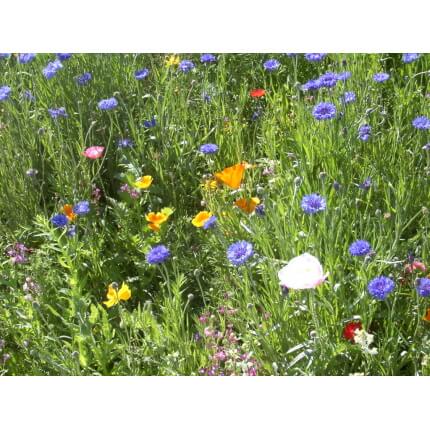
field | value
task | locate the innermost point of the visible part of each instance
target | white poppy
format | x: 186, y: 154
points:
x: 304, y: 271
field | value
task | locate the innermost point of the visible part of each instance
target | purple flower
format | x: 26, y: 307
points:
x: 348, y: 97
x: 64, y: 57
x: 186, y: 66
x: 4, y: 56
x: 71, y: 231
x: 208, y: 58
x: 380, y: 77
x: 271, y: 65
x: 380, y: 287
x: 366, y: 184
x: 423, y: 287
x: 343, y: 76
x: 421, y: 123
x: 324, y: 111
x: 150, y: 124
x: 364, y: 132
x: 315, y: 57
x: 210, y: 223
x: 312, y: 85
x: 360, y: 248
x: 328, y: 80
x: 108, y: 104
x: 84, y: 78
x: 59, y: 220
x: 426, y: 146
x: 52, y: 68
x: 82, y: 208
x: 141, y: 74
x: 18, y: 253
x: 239, y: 252
x: 409, y: 58
x: 313, y: 203
x: 157, y: 255
x: 4, y: 93
x: 125, y: 143
x: 260, y: 210
x: 26, y: 58
x: 57, y: 112
x: 209, y: 148
x: 28, y: 96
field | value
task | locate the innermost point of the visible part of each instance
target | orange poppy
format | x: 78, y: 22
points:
x: 426, y: 317
x: 247, y: 205
x: 156, y: 218
x: 200, y: 219
x: 68, y: 211
x: 258, y: 92
x: 232, y: 176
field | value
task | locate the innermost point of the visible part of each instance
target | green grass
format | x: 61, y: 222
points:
x: 66, y: 330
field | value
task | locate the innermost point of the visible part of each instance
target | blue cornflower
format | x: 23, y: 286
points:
x: 59, y: 220
x: 421, y: 123
x: 157, y: 255
x: 84, y: 78
x: 64, y: 57
x: 57, y: 112
x: 409, y: 58
x: 4, y: 56
x: 313, y: 203
x: 206, y: 97
x: 426, y: 146
x: 312, y: 85
x: 4, y: 93
x: 343, y: 76
x: 150, y: 124
x: 71, y: 231
x: 423, y: 287
x: 239, y: 252
x: 315, y: 57
x: 291, y: 54
x: 209, y: 148
x: 367, y: 183
x: 82, y: 208
x: 328, y: 80
x: 260, y: 210
x: 271, y: 65
x: 125, y: 143
x: 26, y: 58
x: 348, y: 97
x: 208, y: 58
x: 256, y: 114
x: 364, y: 132
x: 108, y: 104
x: 186, y: 66
x: 380, y: 77
x: 380, y: 287
x: 27, y: 94
x: 52, y: 68
x: 141, y: 74
x: 336, y: 185
x: 360, y: 248
x: 323, y: 111
x: 210, y: 223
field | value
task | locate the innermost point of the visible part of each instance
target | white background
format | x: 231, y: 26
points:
x: 196, y: 402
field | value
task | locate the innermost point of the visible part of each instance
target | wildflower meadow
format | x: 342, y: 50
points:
x: 214, y: 214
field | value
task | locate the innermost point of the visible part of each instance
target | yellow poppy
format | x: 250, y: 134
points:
x: 68, y: 211
x: 156, y: 218
x: 247, y: 205
x: 210, y: 185
x: 426, y: 317
x: 232, y: 176
x: 143, y: 182
x: 172, y: 60
x: 200, y: 219
x: 115, y: 296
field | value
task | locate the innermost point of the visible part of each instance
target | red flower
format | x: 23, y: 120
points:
x: 258, y: 92
x: 349, y: 330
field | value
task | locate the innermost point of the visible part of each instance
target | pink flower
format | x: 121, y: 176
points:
x: 94, y: 152
x: 416, y: 265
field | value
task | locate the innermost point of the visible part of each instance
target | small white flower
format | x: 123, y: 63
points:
x: 304, y: 271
